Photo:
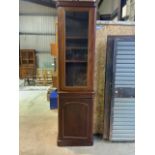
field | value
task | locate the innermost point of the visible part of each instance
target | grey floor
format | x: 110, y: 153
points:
x: 38, y: 130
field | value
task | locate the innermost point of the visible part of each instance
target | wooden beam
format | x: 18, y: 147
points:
x: 100, y: 2
x: 38, y: 14
x: 48, y: 3
x: 36, y: 33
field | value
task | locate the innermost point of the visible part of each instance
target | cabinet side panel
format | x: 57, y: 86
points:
x: 91, y: 50
x: 61, y: 47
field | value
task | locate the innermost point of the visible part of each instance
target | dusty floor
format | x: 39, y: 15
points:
x: 38, y: 131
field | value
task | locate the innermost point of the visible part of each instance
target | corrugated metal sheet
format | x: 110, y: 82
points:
x: 122, y: 126
x: 28, y: 7
x: 37, y: 42
x: 37, y: 24
x: 123, y: 120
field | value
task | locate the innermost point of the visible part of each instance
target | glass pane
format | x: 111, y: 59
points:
x: 31, y: 61
x: 76, y: 74
x: 76, y: 24
x: 76, y: 54
x: 30, y: 55
x: 76, y: 48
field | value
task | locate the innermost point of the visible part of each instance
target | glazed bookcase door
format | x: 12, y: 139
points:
x: 76, y: 53
x: 76, y: 60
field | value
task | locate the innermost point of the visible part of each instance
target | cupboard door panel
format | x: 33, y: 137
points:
x: 75, y: 118
x: 76, y: 73
x: 77, y: 122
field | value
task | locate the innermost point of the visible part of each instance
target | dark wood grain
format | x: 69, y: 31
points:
x: 75, y: 101
x: 27, y: 67
x: 108, y: 87
x: 75, y: 119
x: 62, y: 3
x: 62, y: 47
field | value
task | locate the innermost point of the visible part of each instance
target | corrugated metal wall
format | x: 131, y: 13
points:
x: 38, y: 24
x: 28, y: 7
x: 122, y: 126
x: 37, y: 31
x: 41, y: 43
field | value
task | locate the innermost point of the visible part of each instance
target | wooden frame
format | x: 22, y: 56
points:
x: 110, y: 58
x: 62, y: 46
x: 27, y: 65
x: 74, y: 103
x: 75, y: 113
x: 78, y: 4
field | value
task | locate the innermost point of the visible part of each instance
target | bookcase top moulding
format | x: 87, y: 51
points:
x: 76, y: 3
x: 77, y: 0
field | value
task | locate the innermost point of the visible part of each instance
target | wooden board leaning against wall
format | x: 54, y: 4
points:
x: 54, y: 53
x: 103, y: 30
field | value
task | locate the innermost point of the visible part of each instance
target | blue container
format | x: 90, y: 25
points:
x: 53, y: 99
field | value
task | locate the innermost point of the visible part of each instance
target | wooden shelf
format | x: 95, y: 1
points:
x: 28, y: 59
x: 76, y: 47
x: 76, y: 37
x: 76, y: 61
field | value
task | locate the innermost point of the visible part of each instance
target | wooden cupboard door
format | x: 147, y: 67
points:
x: 76, y: 50
x: 75, y: 114
x: 75, y: 120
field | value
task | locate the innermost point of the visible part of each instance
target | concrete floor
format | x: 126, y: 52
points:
x: 38, y: 131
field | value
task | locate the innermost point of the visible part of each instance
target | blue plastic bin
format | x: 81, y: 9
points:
x: 53, y: 99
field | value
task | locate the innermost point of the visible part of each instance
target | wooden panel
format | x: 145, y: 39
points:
x: 75, y: 4
x: 54, y: 49
x: 55, y: 81
x: 108, y: 87
x: 27, y: 72
x: 75, y: 119
x: 61, y: 46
